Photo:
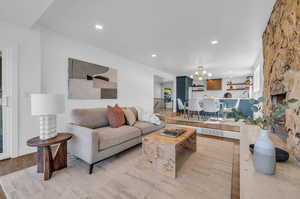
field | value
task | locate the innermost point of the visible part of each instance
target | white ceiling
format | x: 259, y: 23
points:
x: 178, y: 31
x: 23, y: 12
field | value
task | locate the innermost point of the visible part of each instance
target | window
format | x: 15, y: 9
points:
x: 256, y: 79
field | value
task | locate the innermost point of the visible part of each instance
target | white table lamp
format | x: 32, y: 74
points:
x: 47, y: 106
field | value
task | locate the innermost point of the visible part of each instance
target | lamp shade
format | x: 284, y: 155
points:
x: 47, y: 104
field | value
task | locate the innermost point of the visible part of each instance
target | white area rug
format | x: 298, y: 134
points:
x: 205, y: 174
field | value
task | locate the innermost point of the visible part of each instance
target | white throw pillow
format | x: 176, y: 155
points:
x: 140, y: 112
x: 154, y: 119
x: 148, y: 117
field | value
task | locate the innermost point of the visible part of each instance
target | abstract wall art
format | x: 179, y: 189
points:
x: 91, y: 81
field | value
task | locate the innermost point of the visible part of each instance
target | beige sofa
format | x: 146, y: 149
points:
x: 94, y: 140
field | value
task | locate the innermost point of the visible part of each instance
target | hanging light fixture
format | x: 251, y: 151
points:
x: 200, y: 75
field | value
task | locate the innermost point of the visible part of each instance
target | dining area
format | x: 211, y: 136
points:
x: 212, y: 100
x: 212, y: 109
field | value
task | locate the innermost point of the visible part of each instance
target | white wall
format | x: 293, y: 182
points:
x: 135, y: 85
x: 220, y: 93
x: 158, y: 89
x: 28, y: 44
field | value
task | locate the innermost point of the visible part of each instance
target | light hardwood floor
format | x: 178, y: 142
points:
x: 12, y: 165
x: 235, y: 180
x: 16, y: 164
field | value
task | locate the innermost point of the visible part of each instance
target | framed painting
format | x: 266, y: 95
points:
x: 91, y: 81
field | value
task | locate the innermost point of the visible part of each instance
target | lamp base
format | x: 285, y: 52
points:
x: 47, y: 127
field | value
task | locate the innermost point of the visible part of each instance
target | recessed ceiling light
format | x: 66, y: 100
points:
x: 214, y: 42
x: 98, y: 27
x: 209, y: 74
x: 154, y: 55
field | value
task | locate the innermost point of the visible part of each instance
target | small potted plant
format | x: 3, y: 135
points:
x: 264, y: 158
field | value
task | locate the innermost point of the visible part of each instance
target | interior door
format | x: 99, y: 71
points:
x: 1, y: 129
x: 3, y: 115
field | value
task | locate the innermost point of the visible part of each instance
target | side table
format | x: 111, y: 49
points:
x: 46, y: 162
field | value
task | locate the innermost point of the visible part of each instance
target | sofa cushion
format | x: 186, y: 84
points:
x: 89, y: 117
x: 147, y: 127
x: 109, y: 137
x: 115, y: 116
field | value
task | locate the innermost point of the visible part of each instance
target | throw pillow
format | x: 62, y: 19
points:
x: 154, y: 119
x: 133, y: 109
x: 115, y: 116
x: 130, y: 116
x: 140, y: 113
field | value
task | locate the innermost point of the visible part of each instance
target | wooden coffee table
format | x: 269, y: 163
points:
x: 46, y: 163
x: 161, y: 152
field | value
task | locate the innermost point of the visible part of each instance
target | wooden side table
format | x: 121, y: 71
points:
x: 46, y: 162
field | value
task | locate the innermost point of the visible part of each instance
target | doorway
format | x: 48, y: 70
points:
x: 8, y: 102
x: 3, y: 137
x: 163, y: 95
x: 1, y: 112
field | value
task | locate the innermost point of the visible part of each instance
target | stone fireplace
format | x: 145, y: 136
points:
x: 281, y: 49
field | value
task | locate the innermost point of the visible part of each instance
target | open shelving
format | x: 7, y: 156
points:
x: 245, y: 84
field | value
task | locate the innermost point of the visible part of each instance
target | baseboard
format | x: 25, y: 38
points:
x: 26, y: 151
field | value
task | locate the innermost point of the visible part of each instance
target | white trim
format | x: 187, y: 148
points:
x: 213, y: 132
x: 10, y: 112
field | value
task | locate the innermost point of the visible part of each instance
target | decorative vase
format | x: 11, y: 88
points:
x: 264, y: 158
